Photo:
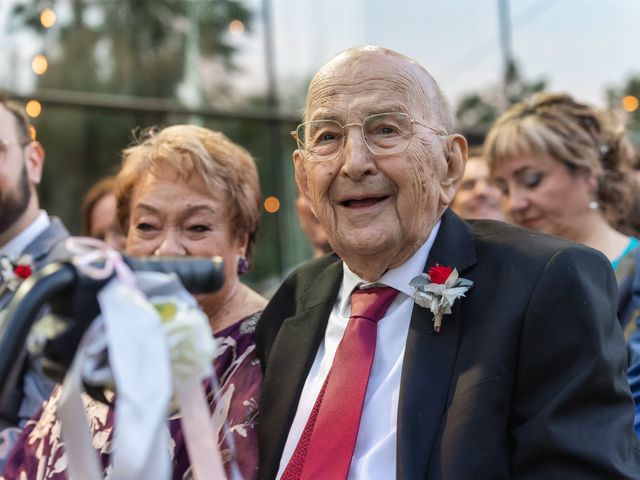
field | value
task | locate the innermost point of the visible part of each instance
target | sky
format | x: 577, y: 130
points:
x: 579, y: 46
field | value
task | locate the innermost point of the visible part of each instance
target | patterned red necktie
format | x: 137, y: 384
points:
x: 326, y: 445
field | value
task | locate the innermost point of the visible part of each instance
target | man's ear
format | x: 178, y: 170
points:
x: 301, y: 173
x: 34, y: 162
x: 456, y: 162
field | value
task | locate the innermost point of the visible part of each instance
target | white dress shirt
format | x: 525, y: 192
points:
x: 375, y: 451
x: 14, y: 247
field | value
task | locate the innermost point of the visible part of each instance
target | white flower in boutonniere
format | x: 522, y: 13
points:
x: 438, y: 289
x: 13, y: 273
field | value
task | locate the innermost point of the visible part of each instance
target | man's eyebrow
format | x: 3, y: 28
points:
x: 338, y: 115
x: 324, y: 114
x: 386, y: 108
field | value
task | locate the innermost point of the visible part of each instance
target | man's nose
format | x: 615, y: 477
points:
x: 482, y: 187
x: 358, y: 159
x: 171, y: 245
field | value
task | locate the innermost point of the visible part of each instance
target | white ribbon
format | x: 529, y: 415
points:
x: 202, y: 447
x: 149, y: 360
x: 83, y: 463
x: 88, y: 253
x: 139, y: 359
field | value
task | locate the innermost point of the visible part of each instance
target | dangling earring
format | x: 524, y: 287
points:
x: 243, y: 265
x: 594, y: 205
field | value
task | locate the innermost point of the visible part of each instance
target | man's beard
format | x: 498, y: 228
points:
x: 14, y: 204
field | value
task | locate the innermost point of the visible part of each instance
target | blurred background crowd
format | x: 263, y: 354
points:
x: 91, y: 72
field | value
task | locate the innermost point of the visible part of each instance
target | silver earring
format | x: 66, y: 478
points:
x: 594, y: 205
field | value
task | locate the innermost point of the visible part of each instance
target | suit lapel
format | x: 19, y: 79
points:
x: 41, y: 250
x: 293, y: 352
x: 45, y: 243
x: 429, y: 358
x: 5, y: 296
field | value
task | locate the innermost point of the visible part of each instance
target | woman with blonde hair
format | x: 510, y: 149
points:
x: 565, y: 169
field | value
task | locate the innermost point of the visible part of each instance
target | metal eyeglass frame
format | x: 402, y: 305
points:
x: 294, y: 133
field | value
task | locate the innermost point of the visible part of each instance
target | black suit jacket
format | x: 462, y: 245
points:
x: 526, y: 379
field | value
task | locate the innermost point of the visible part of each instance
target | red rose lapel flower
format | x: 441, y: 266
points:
x: 439, y: 274
x: 438, y: 289
x: 13, y: 273
x: 23, y: 271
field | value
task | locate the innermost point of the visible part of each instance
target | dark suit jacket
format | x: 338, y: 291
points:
x: 526, y: 379
x: 20, y: 400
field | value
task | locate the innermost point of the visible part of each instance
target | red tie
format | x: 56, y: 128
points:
x: 326, y: 445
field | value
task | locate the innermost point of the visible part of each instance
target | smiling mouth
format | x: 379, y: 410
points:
x: 362, y: 202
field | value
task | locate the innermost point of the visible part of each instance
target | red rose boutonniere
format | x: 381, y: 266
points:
x: 13, y: 273
x: 438, y: 289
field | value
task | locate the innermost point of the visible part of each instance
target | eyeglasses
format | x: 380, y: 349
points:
x: 383, y: 134
x: 4, y: 148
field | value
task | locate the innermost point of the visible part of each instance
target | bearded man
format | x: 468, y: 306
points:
x: 29, y: 239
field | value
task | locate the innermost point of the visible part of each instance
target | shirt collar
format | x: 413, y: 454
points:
x: 20, y: 242
x: 398, y: 277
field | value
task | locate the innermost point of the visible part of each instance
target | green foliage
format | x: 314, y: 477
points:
x: 126, y: 47
x: 141, y: 48
x: 478, y: 110
x: 132, y: 47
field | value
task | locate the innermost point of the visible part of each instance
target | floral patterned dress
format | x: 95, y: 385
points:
x: 40, y: 453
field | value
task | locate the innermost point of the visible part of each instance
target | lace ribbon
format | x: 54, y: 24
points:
x: 143, y: 361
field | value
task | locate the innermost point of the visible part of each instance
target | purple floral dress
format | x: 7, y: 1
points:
x: 40, y: 454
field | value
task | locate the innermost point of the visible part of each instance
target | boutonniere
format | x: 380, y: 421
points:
x: 13, y: 273
x: 438, y: 289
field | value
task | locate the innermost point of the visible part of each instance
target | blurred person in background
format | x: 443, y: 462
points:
x: 565, y: 169
x: 29, y: 239
x: 631, y: 223
x: 636, y: 163
x: 478, y: 197
x: 99, y: 214
x: 311, y: 227
x: 182, y: 191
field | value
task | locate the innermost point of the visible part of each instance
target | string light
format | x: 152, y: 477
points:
x: 630, y: 103
x: 32, y: 133
x: 33, y: 108
x: 48, y: 18
x: 236, y: 27
x: 271, y: 204
x: 39, y: 64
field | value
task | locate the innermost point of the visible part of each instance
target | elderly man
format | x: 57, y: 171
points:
x: 29, y: 239
x: 521, y: 377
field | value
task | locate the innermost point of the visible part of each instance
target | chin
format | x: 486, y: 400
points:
x: 364, y: 246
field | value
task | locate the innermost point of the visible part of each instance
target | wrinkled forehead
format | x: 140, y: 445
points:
x: 349, y: 88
